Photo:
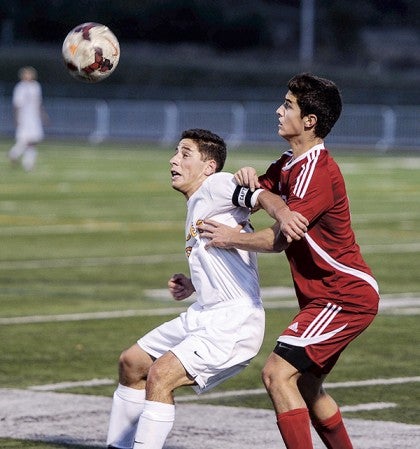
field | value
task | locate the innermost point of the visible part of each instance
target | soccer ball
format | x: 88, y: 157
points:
x: 91, y: 52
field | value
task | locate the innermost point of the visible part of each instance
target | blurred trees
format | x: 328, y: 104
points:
x: 237, y: 48
x: 223, y: 24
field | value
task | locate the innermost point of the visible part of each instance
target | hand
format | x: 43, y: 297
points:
x: 180, y: 287
x: 292, y: 224
x: 219, y: 235
x: 247, y: 177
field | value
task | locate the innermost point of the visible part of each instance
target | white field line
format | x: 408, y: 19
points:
x: 391, y: 248
x: 161, y: 294
x: 404, y: 304
x: 383, y: 216
x: 328, y: 385
x: 97, y: 225
x: 372, y: 382
x: 266, y: 293
x: 88, y: 261
x: 89, y: 316
x: 367, y: 407
x: 250, y: 392
x: 84, y: 228
x: 65, y: 385
x: 390, y: 304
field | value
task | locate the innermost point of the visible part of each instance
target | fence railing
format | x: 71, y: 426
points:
x: 380, y: 127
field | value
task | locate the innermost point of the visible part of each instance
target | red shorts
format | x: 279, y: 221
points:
x: 324, y: 330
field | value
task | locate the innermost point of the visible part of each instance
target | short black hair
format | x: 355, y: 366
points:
x: 318, y: 96
x: 210, y: 145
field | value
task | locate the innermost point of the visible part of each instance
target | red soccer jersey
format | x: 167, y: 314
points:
x: 327, y: 264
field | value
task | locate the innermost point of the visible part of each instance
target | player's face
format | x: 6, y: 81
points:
x: 188, y: 170
x: 291, y: 124
x: 27, y: 75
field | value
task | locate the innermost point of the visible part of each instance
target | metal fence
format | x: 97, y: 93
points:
x: 380, y: 127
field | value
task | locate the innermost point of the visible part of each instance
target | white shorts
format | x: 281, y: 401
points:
x: 29, y: 134
x: 212, y: 343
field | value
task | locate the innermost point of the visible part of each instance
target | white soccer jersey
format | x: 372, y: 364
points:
x: 27, y: 100
x: 219, y: 274
x: 218, y: 335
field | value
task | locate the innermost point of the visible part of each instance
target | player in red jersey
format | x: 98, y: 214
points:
x: 337, y: 294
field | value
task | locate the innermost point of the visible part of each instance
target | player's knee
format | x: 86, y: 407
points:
x: 123, y: 361
x: 270, y: 377
x: 125, y: 365
x: 278, y: 374
x: 265, y: 378
x: 279, y: 383
x: 131, y: 368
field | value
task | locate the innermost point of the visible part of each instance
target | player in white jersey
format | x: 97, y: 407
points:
x: 221, y: 331
x: 28, y: 112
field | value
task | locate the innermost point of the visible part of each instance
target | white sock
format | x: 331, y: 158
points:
x: 155, y: 423
x: 29, y: 158
x: 127, y: 406
x: 16, y: 151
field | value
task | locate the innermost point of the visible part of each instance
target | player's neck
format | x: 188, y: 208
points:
x: 301, y: 146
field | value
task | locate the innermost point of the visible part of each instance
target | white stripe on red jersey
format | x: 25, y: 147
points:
x: 314, y: 332
x: 339, y: 266
x: 326, y: 265
x: 305, y: 175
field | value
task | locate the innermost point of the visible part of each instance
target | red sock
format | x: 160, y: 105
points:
x: 295, y: 429
x: 333, y: 432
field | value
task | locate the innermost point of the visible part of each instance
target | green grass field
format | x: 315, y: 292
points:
x: 92, y: 229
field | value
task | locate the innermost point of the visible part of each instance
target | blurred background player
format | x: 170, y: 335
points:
x: 29, y: 115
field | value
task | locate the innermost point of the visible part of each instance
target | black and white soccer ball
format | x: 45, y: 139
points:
x: 91, y: 52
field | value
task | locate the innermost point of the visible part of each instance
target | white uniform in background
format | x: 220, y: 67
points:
x: 27, y: 104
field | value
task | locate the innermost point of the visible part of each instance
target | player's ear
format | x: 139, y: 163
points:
x: 211, y: 167
x: 310, y: 120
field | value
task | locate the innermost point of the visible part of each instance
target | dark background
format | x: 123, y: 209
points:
x: 231, y: 49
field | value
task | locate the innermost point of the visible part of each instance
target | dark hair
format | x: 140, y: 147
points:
x: 210, y: 145
x: 317, y: 96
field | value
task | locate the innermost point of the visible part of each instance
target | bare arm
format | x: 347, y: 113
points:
x: 223, y: 236
x: 292, y: 224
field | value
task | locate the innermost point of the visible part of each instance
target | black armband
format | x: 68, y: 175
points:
x: 242, y: 197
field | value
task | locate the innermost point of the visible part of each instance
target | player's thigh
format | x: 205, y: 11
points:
x: 167, y: 373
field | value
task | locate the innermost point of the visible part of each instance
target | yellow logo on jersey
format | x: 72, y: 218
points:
x: 193, y: 231
x: 192, y: 234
